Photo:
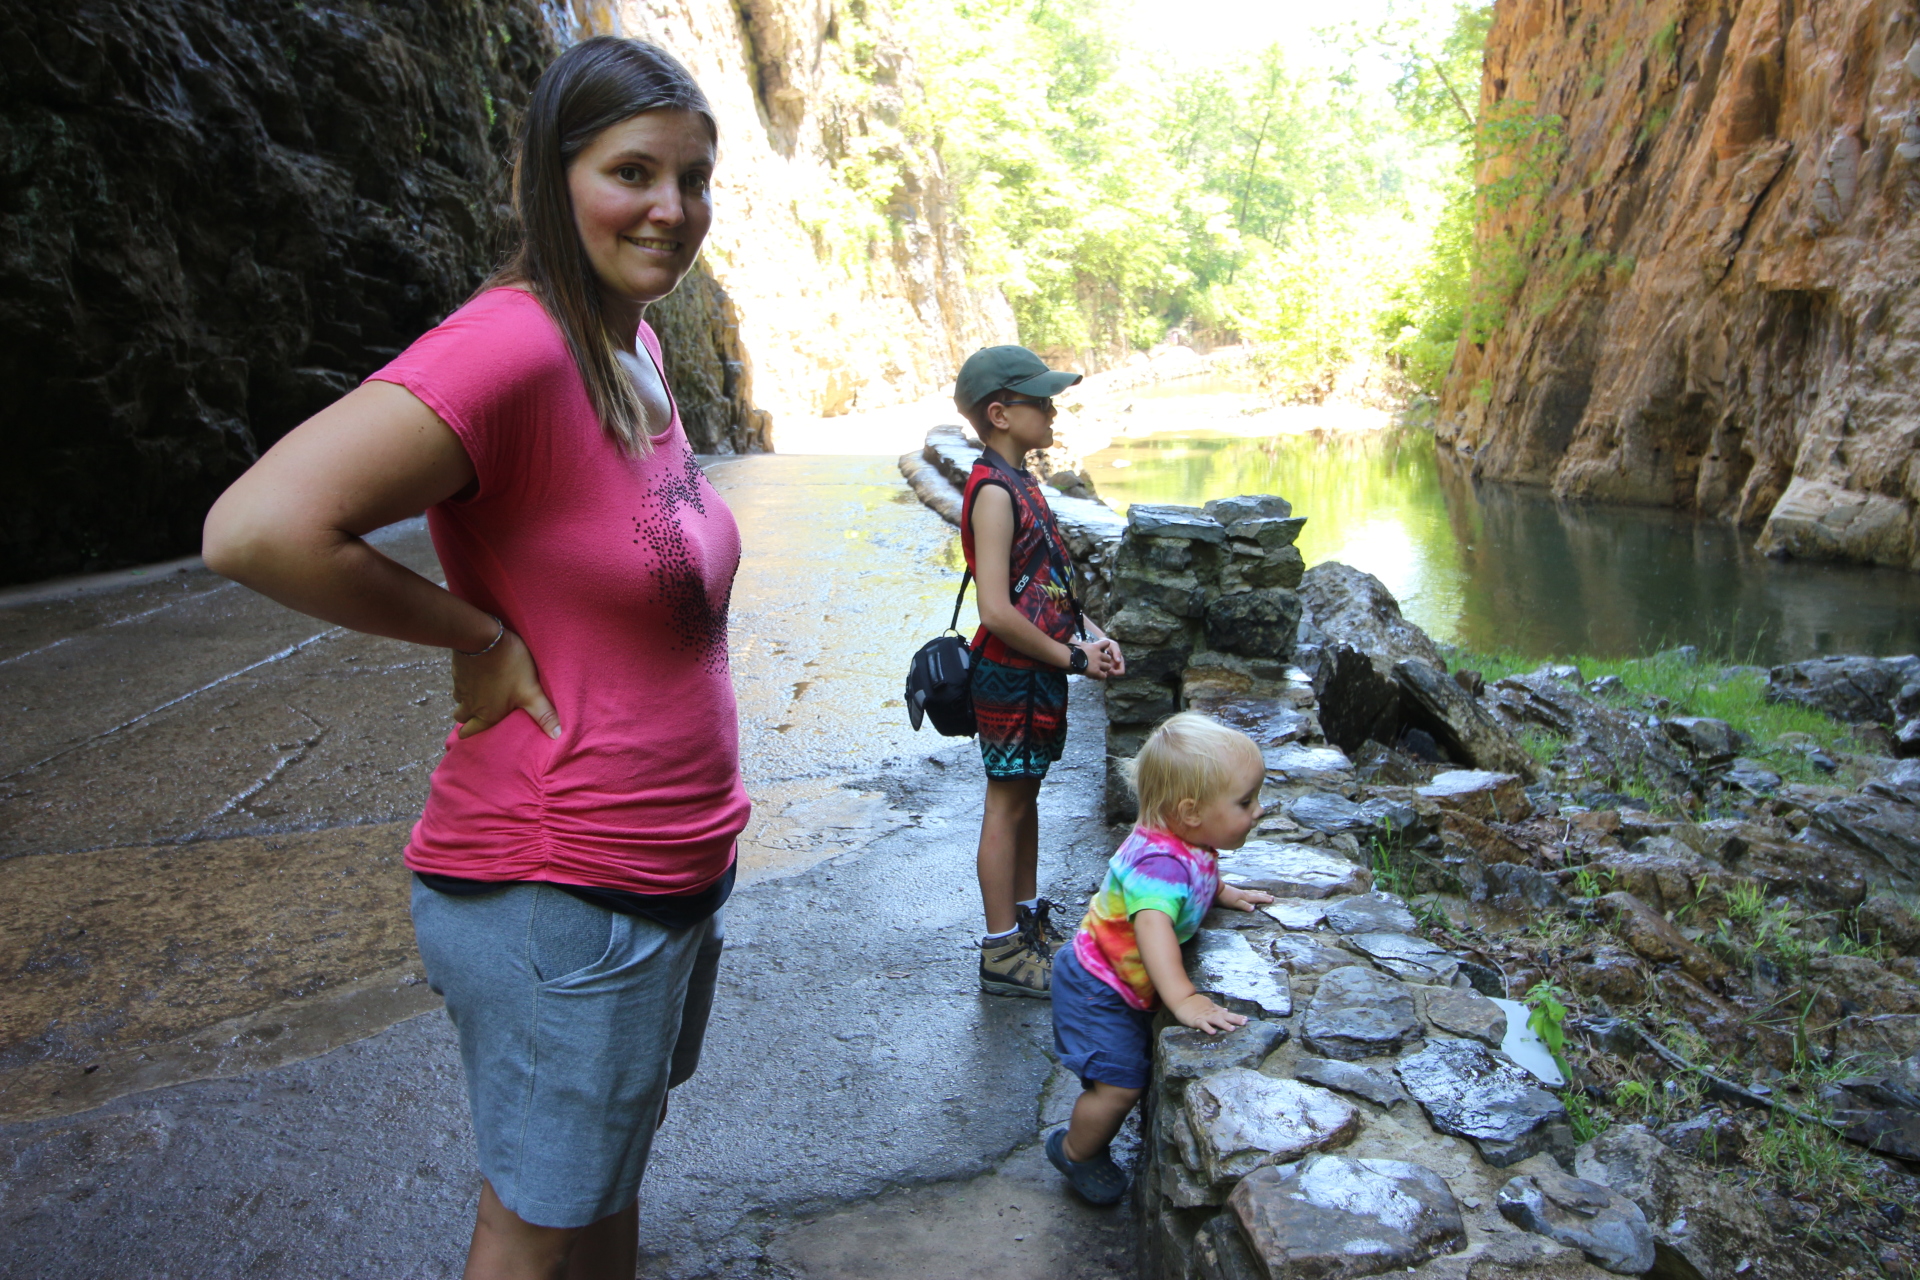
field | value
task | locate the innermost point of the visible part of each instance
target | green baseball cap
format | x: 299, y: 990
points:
x: 1016, y: 369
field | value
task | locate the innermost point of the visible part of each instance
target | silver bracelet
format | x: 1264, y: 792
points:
x: 489, y: 649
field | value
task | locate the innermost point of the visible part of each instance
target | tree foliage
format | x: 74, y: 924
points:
x: 1312, y: 207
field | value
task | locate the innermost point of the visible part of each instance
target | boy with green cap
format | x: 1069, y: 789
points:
x: 1032, y: 635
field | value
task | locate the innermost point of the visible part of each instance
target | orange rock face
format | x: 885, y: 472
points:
x: 1709, y: 266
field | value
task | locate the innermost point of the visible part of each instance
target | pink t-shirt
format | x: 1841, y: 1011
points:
x: 616, y: 570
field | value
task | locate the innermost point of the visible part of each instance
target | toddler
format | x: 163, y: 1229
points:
x: 1198, y: 784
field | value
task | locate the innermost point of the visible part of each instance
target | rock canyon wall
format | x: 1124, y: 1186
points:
x: 218, y: 217
x: 1698, y: 286
x: 835, y: 232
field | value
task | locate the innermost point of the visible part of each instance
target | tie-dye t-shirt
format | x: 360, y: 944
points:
x: 1151, y: 871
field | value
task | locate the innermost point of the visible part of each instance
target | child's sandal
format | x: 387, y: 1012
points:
x: 1099, y: 1181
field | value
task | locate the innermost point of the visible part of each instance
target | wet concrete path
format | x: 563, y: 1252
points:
x: 217, y: 1056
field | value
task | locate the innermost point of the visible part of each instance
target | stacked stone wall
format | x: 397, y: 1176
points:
x: 1204, y: 603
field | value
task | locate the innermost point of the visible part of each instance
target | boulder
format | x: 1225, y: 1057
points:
x: 1300, y: 766
x: 1652, y: 936
x: 1464, y: 836
x: 1701, y: 1226
x: 1333, y: 1217
x: 1869, y: 987
x: 1885, y: 919
x: 1355, y: 609
x: 1603, y: 742
x: 1358, y: 701
x: 1183, y: 1053
x: 1292, y: 871
x: 1466, y: 1091
x: 1464, y: 729
x: 1849, y: 688
x: 1510, y: 888
x: 1887, y: 831
x: 1752, y: 776
x: 1589, y: 1216
x: 1615, y: 976
x: 1225, y: 967
x: 1481, y: 794
x: 1357, y: 1013
x: 1241, y: 1120
x: 1906, y: 739
x: 1704, y: 738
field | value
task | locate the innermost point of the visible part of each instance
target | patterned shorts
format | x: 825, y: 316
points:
x: 1022, y: 718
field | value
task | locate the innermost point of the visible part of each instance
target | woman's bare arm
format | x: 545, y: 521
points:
x: 293, y: 528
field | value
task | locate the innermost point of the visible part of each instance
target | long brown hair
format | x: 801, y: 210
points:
x: 596, y: 83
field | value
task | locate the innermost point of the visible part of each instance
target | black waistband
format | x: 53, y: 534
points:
x: 668, y: 910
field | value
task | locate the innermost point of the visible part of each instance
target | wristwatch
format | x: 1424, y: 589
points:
x: 1076, y: 660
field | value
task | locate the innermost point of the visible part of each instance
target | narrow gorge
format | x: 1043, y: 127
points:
x: 1696, y: 281
x: 221, y: 217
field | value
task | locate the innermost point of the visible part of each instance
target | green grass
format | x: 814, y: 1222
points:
x: 1690, y: 689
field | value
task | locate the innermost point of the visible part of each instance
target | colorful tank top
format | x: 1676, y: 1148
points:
x: 1039, y: 575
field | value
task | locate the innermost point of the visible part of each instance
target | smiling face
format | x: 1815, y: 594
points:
x: 642, y: 203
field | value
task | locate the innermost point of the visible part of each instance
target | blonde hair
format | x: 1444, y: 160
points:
x: 1188, y: 757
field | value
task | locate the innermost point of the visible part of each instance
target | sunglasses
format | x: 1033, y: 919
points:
x: 1044, y: 406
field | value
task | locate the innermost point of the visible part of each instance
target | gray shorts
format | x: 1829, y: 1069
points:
x: 574, y: 1021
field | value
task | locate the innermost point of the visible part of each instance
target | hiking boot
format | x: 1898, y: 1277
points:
x: 1014, y: 966
x: 1041, y: 909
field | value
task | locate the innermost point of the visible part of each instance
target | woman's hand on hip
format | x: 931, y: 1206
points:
x: 489, y: 687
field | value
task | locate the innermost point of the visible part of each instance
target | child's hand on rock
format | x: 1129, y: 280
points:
x: 1242, y: 899
x: 1202, y: 1014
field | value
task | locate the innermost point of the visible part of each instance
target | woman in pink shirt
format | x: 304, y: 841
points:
x: 578, y: 838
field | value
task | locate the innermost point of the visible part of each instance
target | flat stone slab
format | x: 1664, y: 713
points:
x: 1467, y: 1013
x: 1376, y: 1086
x: 1227, y: 968
x: 1370, y: 913
x: 1589, y: 1216
x: 1321, y: 766
x: 1493, y: 797
x: 1296, y: 913
x: 1324, y: 811
x: 1414, y: 959
x: 1297, y: 953
x: 1293, y: 871
x: 1187, y: 1054
x: 1332, y: 1216
x: 1468, y: 1092
x: 1187, y: 523
x: 1241, y: 1120
x: 1357, y: 1013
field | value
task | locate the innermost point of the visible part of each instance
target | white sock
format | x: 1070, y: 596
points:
x: 995, y: 937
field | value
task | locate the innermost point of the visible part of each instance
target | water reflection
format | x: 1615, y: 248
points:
x: 1504, y: 567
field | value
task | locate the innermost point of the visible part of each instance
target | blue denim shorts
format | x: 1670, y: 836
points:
x: 574, y: 1021
x: 1099, y: 1037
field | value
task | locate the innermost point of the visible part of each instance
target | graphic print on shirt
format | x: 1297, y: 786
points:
x: 698, y: 622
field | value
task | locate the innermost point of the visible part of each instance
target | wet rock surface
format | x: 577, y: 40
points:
x: 1293, y: 870
x: 1227, y: 968
x: 1466, y: 1090
x: 1590, y: 1216
x: 1337, y: 1216
x: 1357, y: 1013
x: 1241, y: 1119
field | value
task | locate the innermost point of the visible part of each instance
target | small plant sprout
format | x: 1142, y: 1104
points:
x: 1547, y: 1020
